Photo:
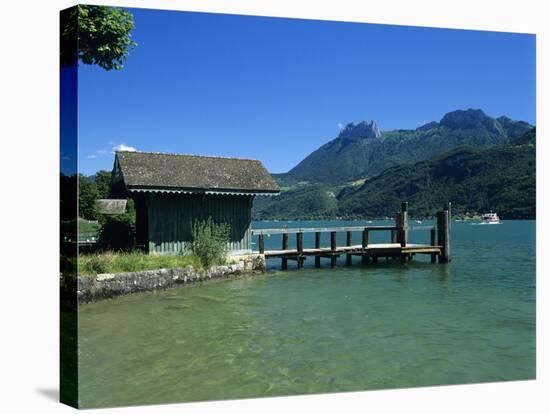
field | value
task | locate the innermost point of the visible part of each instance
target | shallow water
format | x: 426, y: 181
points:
x: 322, y: 330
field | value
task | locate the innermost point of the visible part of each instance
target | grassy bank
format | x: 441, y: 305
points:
x: 109, y: 262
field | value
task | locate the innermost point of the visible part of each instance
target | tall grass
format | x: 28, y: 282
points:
x: 113, y: 262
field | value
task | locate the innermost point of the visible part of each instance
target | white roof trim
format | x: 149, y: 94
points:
x: 147, y: 190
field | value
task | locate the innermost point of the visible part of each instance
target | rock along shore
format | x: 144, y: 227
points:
x: 108, y: 285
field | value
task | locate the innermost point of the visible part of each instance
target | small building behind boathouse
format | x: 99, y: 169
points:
x: 172, y: 191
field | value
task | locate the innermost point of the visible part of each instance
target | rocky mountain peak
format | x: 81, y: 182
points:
x: 469, y: 119
x: 360, y: 131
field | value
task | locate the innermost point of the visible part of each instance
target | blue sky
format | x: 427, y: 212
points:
x: 277, y: 89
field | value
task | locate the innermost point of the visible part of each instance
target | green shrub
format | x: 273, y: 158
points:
x: 117, y: 233
x: 209, y: 242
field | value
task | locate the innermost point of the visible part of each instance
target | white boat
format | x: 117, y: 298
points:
x: 490, y: 218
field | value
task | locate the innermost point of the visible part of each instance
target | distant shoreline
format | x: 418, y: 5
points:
x: 383, y: 219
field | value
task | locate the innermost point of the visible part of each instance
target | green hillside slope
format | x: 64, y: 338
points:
x: 303, y: 202
x: 500, y: 179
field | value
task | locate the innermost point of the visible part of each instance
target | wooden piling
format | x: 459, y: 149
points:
x: 261, y: 243
x: 300, y: 242
x: 443, y: 236
x: 448, y: 239
x: 447, y: 207
x: 432, y: 243
x: 404, y: 224
x: 349, y: 240
x: 317, y: 246
x: 333, y: 248
x: 284, y: 261
x: 395, y: 233
x: 365, y: 240
x: 300, y: 248
x: 440, y: 236
x: 364, y: 245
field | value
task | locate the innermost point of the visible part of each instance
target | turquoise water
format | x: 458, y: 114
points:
x: 322, y: 330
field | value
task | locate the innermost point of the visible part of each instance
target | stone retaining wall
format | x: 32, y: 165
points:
x: 108, y: 285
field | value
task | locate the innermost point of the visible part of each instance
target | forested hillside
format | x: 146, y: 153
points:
x: 501, y: 179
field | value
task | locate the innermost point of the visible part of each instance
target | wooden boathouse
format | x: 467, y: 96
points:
x: 171, y: 191
x: 397, y: 246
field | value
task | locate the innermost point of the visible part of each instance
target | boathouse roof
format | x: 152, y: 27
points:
x: 181, y: 173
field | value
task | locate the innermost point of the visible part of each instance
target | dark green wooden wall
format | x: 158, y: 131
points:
x: 170, y: 218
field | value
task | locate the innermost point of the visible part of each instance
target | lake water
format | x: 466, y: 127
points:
x: 322, y: 330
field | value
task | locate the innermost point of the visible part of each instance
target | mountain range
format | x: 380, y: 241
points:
x: 363, y: 150
x: 469, y: 158
x: 501, y: 179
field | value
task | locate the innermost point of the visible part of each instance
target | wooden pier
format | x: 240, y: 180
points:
x: 398, y: 246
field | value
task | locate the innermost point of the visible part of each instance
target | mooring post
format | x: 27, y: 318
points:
x: 299, y: 248
x: 439, y: 221
x: 317, y: 246
x: 443, y: 236
x: 348, y: 243
x: 448, y: 208
x: 284, y: 261
x: 261, y: 244
x: 432, y: 243
x: 404, y: 224
x: 364, y: 246
x: 333, y: 248
x: 395, y: 233
x: 365, y: 243
x: 448, y: 232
